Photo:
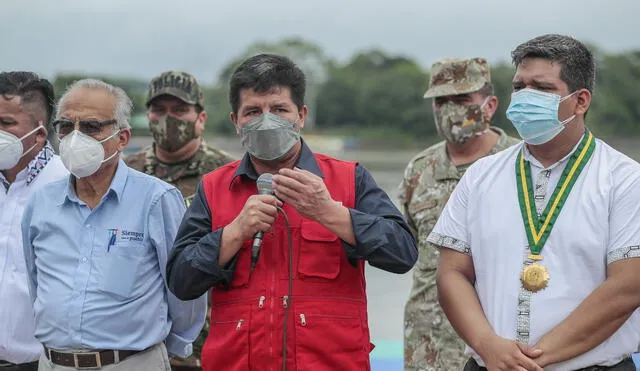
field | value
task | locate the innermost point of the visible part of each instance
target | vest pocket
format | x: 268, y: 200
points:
x: 329, y: 342
x: 227, y: 345
x: 320, y: 252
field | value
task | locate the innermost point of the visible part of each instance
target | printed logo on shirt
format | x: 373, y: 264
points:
x: 120, y: 235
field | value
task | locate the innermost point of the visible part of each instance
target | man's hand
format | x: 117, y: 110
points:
x: 258, y: 215
x: 305, y: 191
x: 501, y: 354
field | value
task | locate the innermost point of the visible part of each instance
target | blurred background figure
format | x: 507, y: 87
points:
x: 463, y: 106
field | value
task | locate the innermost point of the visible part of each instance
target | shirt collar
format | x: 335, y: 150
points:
x: 445, y: 169
x: 534, y: 161
x: 5, y: 183
x: 306, y: 161
x: 117, y: 185
x: 35, y: 166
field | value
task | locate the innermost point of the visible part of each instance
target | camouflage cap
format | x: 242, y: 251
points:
x: 453, y: 76
x: 178, y: 84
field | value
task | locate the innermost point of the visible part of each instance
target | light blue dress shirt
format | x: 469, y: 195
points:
x: 97, y: 277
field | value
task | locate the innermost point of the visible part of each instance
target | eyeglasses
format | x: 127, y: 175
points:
x: 89, y: 127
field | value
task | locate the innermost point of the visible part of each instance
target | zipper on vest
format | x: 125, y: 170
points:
x: 303, y: 319
x: 284, y: 301
x: 261, y: 302
x: 239, y: 324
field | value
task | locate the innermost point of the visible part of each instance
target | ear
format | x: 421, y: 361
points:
x: 200, y: 123
x: 124, y: 135
x: 42, y: 134
x: 583, y: 97
x: 492, y: 106
x: 302, y: 115
x: 234, y: 120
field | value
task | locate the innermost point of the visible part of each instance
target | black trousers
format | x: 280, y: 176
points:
x: 33, y: 366
x: 625, y: 365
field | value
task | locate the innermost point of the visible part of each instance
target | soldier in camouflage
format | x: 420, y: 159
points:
x: 178, y: 154
x: 463, y: 105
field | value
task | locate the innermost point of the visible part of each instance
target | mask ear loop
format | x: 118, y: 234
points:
x: 35, y: 130
x: 106, y: 139
x: 571, y: 117
x: 568, y: 96
x: 486, y: 100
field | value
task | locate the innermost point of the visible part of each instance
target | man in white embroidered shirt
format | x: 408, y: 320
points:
x: 539, y: 243
x: 27, y: 162
x: 96, y: 245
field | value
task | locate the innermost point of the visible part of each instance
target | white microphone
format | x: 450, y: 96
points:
x: 265, y: 187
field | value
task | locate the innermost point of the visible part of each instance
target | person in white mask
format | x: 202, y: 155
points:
x: 96, y: 245
x: 27, y: 162
x: 539, y: 243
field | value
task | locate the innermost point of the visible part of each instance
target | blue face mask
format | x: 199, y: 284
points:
x: 534, y: 114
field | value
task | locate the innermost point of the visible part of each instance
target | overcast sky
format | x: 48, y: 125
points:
x: 141, y: 38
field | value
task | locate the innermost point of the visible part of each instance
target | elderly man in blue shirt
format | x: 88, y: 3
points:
x: 96, y: 246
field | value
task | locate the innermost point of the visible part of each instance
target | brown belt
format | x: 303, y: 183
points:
x: 88, y: 360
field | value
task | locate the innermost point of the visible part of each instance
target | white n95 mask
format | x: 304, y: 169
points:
x: 11, y: 148
x: 83, y: 155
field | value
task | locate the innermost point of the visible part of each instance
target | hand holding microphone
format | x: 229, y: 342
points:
x: 265, y: 187
x: 258, y: 214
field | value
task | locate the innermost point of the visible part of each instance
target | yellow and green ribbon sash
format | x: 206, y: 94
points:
x: 539, y: 228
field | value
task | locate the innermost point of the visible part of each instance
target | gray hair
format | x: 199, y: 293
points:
x: 577, y: 65
x: 124, y: 105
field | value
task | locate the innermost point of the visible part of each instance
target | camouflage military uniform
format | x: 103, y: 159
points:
x: 429, y: 340
x: 184, y: 175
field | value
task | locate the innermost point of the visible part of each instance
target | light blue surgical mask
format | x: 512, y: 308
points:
x: 534, y: 114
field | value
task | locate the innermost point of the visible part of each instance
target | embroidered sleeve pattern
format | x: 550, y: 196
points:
x: 623, y: 253
x: 450, y: 243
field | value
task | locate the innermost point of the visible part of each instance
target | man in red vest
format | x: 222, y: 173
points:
x: 300, y: 304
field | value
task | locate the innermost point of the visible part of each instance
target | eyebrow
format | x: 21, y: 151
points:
x: 249, y: 108
x: 535, y: 82
x: 543, y: 82
x: 86, y: 119
x: 181, y: 105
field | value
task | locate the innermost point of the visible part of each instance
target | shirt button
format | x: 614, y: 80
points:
x: 84, y: 260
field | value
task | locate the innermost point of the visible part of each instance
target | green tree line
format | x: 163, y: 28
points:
x: 377, y: 96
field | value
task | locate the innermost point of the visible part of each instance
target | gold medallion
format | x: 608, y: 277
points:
x: 534, y: 277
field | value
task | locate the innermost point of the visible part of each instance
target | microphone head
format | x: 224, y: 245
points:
x: 265, y: 187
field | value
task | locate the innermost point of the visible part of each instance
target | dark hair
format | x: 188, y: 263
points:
x: 577, y: 65
x: 486, y: 90
x: 265, y: 72
x: 31, y: 89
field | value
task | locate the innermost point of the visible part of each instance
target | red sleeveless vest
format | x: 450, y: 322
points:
x: 327, y: 313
